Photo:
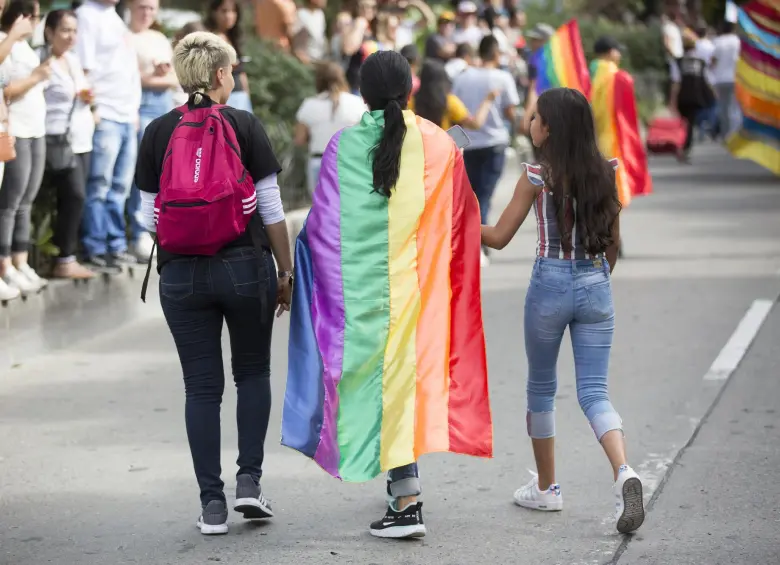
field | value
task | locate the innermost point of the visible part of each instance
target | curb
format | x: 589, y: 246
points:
x: 66, y: 313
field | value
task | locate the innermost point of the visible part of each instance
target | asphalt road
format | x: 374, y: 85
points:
x: 95, y: 469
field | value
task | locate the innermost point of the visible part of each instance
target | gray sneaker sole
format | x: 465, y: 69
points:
x: 633, y: 507
x: 252, y: 509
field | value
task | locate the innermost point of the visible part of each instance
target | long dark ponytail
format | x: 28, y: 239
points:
x: 385, y: 83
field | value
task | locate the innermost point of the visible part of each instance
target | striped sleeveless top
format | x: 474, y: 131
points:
x: 548, y: 235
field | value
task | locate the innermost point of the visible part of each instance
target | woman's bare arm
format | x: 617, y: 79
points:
x: 498, y: 236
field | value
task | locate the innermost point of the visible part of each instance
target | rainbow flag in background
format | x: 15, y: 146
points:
x: 387, y: 351
x: 617, y: 128
x: 561, y: 61
x: 757, y: 85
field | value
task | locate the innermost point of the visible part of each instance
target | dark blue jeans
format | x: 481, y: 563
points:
x: 198, y: 295
x: 484, y: 167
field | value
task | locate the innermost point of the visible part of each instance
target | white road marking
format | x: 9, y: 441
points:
x: 732, y: 353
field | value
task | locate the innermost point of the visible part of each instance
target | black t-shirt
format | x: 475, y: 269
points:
x: 695, y: 91
x: 257, y: 155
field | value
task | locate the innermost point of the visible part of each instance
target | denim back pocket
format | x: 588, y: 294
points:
x: 600, y: 302
x: 547, y: 293
x: 248, y: 272
x: 177, y: 279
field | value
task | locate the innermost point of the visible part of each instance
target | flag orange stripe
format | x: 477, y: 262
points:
x: 433, y: 326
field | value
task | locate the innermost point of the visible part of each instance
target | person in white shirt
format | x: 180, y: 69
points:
x: 724, y: 70
x: 20, y: 30
x: 673, y: 47
x: 484, y: 158
x: 105, y: 50
x: 463, y: 59
x: 468, y: 30
x: 69, y: 122
x: 310, y: 41
x: 704, y: 50
x: 25, y: 76
x: 158, y: 81
x: 321, y: 116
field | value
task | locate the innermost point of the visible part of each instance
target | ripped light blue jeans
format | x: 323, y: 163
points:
x: 577, y: 294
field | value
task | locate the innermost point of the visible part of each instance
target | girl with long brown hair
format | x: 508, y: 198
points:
x: 574, y: 196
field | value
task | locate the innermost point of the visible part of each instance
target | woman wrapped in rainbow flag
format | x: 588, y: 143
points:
x: 387, y: 350
x: 617, y: 124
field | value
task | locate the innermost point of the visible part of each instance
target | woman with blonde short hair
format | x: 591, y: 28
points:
x: 238, y: 285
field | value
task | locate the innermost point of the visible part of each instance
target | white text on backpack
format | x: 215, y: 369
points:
x: 198, y: 154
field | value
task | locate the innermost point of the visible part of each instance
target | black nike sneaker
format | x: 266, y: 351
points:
x: 399, y: 524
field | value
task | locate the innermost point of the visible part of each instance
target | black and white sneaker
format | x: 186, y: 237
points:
x: 398, y: 524
x: 213, y: 519
x: 100, y: 264
x: 120, y: 259
x: 250, y: 500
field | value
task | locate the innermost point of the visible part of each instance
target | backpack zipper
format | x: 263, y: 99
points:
x: 182, y: 205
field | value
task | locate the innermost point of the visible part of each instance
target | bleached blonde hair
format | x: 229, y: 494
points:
x: 198, y: 57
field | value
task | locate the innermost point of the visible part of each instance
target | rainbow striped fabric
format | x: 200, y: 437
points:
x: 757, y: 85
x: 617, y: 128
x: 387, y: 352
x: 561, y: 61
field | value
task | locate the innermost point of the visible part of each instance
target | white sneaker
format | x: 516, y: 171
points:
x: 142, y: 249
x: 32, y: 276
x: 629, y: 505
x: 17, y: 280
x: 529, y: 496
x: 8, y: 292
x: 484, y: 260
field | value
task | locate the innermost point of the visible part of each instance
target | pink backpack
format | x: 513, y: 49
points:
x: 206, y: 197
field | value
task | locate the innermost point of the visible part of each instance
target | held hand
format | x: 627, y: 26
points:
x: 86, y: 96
x: 22, y: 28
x: 162, y: 69
x: 43, y: 71
x: 493, y: 94
x: 283, y: 295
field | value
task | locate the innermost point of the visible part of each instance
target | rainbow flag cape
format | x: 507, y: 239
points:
x: 387, y: 350
x: 757, y: 85
x: 617, y: 128
x: 561, y: 61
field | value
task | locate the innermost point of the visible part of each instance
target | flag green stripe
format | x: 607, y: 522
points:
x: 364, y: 232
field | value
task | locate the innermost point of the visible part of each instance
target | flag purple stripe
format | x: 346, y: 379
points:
x: 324, y: 233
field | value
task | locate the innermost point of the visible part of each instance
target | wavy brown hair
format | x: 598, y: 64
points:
x: 576, y: 171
